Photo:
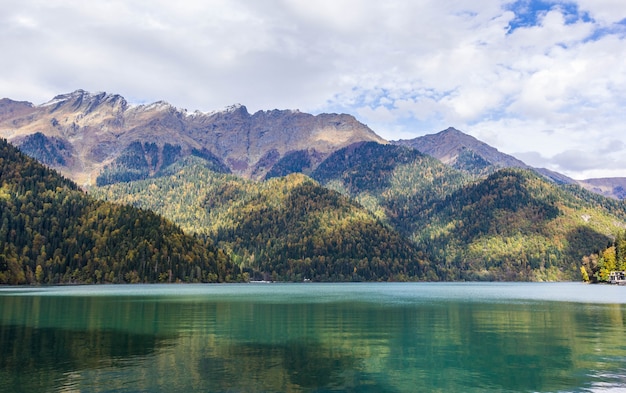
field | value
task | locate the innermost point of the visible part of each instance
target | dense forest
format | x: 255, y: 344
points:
x: 51, y: 232
x: 511, y: 225
x: 414, y: 218
x: 368, y: 212
x: 597, y: 266
x: 143, y: 160
x: 287, y: 228
x: 514, y: 225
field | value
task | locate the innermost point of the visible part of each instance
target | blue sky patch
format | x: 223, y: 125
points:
x: 529, y: 12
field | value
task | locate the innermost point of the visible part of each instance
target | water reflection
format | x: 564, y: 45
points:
x: 34, y: 359
x: 253, y: 344
x: 295, y: 364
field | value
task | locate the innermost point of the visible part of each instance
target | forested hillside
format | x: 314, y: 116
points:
x: 286, y: 228
x: 513, y: 225
x: 51, y: 232
x: 286, y: 195
x: 425, y: 220
x: 597, y: 266
x: 397, y: 183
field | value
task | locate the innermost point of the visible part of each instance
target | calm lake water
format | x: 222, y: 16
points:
x: 414, y: 337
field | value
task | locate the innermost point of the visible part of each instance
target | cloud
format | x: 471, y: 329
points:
x: 578, y: 160
x: 506, y: 70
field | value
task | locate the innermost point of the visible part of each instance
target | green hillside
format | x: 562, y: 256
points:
x: 597, y: 266
x: 285, y: 228
x: 512, y: 225
x: 399, y: 184
x: 51, y: 232
x: 402, y: 215
x: 515, y: 225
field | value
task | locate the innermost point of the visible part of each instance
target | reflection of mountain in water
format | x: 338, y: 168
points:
x: 50, y: 338
x: 307, y: 338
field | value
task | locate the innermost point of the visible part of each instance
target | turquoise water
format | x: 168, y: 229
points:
x: 417, y: 337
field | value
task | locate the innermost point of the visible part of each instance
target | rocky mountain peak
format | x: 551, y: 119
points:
x: 236, y: 108
x: 464, y: 152
x: 11, y: 108
x: 101, y: 130
x: 85, y: 102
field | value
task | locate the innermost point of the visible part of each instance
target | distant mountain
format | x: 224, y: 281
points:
x: 291, y: 196
x: 52, y: 233
x: 466, y: 153
x: 463, y: 152
x: 87, y: 135
x: 612, y: 187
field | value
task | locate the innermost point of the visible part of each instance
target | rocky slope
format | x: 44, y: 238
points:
x: 102, y: 139
x: 468, y: 154
x: 81, y: 134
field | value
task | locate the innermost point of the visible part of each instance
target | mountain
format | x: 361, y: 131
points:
x: 511, y: 225
x: 414, y: 218
x: 292, y: 196
x: 516, y: 225
x: 612, y: 187
x: 53, y: 233
x: 87, y: 135
x: 102, y: 139
x: 287, y: 228
x: 466, y: 153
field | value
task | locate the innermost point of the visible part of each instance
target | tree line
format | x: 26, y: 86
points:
x: 597, y: 266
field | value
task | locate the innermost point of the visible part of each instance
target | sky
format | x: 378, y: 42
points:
x: 544, y: 81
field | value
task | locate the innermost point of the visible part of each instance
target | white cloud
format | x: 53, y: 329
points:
x: 605, y: 12
x: 404, y: 67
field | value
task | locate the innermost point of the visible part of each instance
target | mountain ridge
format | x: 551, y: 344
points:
x: 85, y: 135
x: 468, y: 154
x: 511, y: 225
x: 373, y: 211
x: 99, y: 127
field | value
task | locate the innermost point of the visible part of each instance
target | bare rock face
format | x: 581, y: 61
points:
x: 449, y: 146
x: 466, y: 153
x: 82, y: 134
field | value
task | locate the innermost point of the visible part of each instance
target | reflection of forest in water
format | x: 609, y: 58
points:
x: 160, y: 344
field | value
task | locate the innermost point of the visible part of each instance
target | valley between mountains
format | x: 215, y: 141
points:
x: 278, y: 195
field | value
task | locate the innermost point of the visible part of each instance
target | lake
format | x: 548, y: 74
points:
x: 309, y: 337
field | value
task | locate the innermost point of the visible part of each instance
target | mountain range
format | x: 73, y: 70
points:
x: 291, y: 196
x: 93, y: 139
x: 85, y: 135
x: 468, y: 154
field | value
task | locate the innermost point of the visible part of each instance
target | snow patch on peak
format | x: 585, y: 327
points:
x: 155, y: 106
x: 234, y: 107
x: 229, y: 109
x: 79, y: 94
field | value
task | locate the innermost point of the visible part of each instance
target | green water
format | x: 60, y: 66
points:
x: 313, y: 338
